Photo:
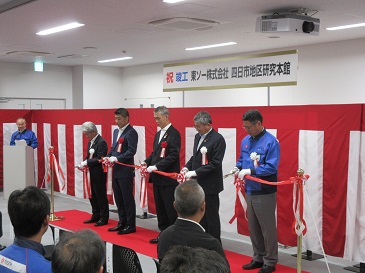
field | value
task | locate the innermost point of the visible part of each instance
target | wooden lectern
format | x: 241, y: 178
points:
x: 18, y: 168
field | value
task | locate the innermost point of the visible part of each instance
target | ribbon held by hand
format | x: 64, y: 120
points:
x: 108, y: 169
x: 163, y: 150
x: 120, y: 143
x: 86, y: 181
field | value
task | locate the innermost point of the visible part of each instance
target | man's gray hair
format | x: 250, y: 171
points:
x: 88, y: 127
x: 203, y: 117
x: 188, y: 198
x: 79, y: 252
x: 162, y: 110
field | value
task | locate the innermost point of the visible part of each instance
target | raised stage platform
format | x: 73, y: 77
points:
x: 139, y: 241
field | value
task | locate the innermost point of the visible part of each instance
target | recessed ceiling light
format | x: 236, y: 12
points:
x: 60, y: 28
x: 210, y: 46
x: 346, y: 26
x: 115, y: 60
x: 172, y: 1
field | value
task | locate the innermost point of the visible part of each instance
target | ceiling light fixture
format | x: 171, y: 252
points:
x: 60, y: 28
x: 346, y: 26
x: 210, y: 46
x: 115, y: 60
x: 172, y: 1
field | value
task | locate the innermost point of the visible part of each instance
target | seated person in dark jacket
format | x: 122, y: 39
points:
x: 190, y: 206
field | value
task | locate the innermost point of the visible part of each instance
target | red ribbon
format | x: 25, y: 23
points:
x: 59, y: 173
x: 299, y: 225
x: 86, y: 181
x: 240, y: 188
x: 143, y: 185
x: 163, y: 150
x: 120, y: 143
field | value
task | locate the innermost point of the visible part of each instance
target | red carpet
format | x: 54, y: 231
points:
x: 139, y: 241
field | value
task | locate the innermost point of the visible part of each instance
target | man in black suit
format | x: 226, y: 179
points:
x: 125, y: 140
x: 190, y: 206
x: 165, y: 157
x: 96, y: 149
x: 206, y: 165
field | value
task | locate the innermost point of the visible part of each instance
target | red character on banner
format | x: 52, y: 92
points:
x: 163, y: 150
x: 120, y: 142
x: 170, y: 77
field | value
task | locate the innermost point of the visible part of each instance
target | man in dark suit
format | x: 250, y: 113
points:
x: 125, y: 140
x: 96, y: 149
x: 165, y: 157
x: 190, y: 206
x: 206, y: 165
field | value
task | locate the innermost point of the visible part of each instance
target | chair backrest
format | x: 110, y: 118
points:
x: 125, y: 260
x: 157, y: 263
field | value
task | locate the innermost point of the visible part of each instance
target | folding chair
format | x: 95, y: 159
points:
x: 125, y: 260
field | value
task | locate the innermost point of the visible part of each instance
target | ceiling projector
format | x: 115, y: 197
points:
x: 288, y: 23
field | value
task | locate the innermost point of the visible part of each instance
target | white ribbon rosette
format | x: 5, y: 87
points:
x: 91, y: 153
x: 255, y: 158
x: 204, y: 151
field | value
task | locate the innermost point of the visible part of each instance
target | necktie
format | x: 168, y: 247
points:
x: 162, y: 133
x: 200, y: 141
x: 120, y: 133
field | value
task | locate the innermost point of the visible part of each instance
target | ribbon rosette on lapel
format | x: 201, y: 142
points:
x: 204, y: 152
x: 91, y: 153
x: 120, y: 142
x: 255, y: 158
x: 163, y: 150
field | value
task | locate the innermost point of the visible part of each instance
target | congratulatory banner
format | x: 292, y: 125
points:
x: 268, y: 69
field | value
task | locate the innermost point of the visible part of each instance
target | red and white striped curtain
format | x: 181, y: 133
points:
x: 327, y: 141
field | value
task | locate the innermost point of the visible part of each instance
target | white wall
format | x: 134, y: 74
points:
x: 20, y: 81
x: 102, y: 87
x: 329, y: 73
x: 143, y: 85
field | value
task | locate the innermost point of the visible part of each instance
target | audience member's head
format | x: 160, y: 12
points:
x: 79, y: 252
x: 184, y: 259
x: 29, y: 212
x: 189, y: 200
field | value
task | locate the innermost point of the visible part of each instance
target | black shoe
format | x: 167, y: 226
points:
x: 116, y: 228
x: 91, y: 220
x: 101, y: 223
x: 127, y: 230
x: 267, y: 269
x: 154, y: 240
x: 252, y: 265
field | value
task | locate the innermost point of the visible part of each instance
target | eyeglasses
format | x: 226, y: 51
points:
x: 250, y: 126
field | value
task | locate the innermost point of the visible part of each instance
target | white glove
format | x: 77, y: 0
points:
x: 234, y: 170
x: 184, y: 170
x: 243, y: 173
x: 112, y: 159
x: 150, y: 169
x: 190, y: 174
x: 82, y: 164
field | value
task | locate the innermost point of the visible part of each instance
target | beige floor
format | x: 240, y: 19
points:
x: 237, y: 243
